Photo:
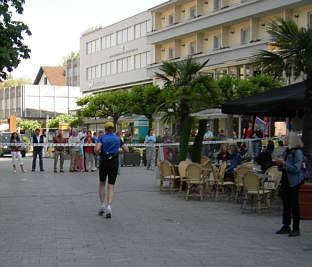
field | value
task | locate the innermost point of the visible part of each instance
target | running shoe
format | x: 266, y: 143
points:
x: 101, y: 211
x: 108, y: 212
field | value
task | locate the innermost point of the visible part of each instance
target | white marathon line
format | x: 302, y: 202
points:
x: 140, y: 144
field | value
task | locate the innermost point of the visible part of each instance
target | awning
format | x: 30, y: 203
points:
x: 279, y: 102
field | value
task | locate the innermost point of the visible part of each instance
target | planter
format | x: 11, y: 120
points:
x: 130, y: 159
x: 305, y: 201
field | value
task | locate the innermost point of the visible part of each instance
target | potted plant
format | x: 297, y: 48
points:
x: 132, y: 158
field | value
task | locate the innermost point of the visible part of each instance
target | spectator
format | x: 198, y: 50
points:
x: 248, y: 133
x: 221, y: 134
x: 167, y: 138
x: 256, y: 145
x: 82, y: 134
x: 235, y: 161
x: 292, y: 179
x: 223, y: 155
x: 75, y: 140
x: 264, y: 159
x: 234, y: 135
x: 37, y: 139
x: 89, y: 152
x: 150, y: 141
x: 59, y: 151
x: 207, y: 137
x: 96, y: 158
x: 15, y: 151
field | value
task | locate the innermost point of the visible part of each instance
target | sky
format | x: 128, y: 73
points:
x: 56, y: 26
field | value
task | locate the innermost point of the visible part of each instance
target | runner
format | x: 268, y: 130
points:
x: 108, y: 146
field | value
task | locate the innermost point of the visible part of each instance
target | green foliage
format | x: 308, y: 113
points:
x: 72, y: 120
x: 196, y: 151
x: 184, y: 138
x: 294, y: 55
x: 10, y: 82
x: 104, y: 105
x: 28, y: 125
x: 232, y: 87
x: 26, y: 140
x: 72, y: 55
x: 145, y: 100
x: 12, y: 49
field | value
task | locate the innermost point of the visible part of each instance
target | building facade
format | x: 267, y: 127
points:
x: 73, y: 72
x: 227, y: 32
x: 116, y: 57
x: 37, y: 101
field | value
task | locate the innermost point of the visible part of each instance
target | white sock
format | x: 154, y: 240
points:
x: 109, y: 207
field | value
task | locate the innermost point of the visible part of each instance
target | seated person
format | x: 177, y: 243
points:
x: 235, y: 161
x: 223, y: 155
x: 264, y: 159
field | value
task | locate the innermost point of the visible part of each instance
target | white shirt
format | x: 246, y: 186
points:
x: 208, y: 134
x: 82, y: 136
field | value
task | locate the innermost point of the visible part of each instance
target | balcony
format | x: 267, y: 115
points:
x: 220, y: 56
x: 224, y: 16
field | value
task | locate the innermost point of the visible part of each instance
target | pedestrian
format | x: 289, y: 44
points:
x: 74, y: 140
x: 150, y: 140
x: 292, y: 178
x: 15, y: 151
x: 37, y: 138
x: 257, y: 145
x: 108, y: 146
x: 89, y: 152
x: 59, y: 151
x: 208, y: 136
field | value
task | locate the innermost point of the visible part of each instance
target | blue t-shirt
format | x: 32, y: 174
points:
x: 110, y: 143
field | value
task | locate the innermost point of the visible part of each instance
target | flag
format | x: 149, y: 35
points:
x: 266, y: 126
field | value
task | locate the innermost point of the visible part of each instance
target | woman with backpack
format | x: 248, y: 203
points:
x: 292, y: 178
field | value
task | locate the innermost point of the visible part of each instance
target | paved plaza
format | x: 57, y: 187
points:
x: 50, y: 219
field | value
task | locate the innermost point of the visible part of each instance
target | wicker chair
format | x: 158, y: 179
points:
x: 238, y: 178
x: 253, y: 186
x: 277, y: 176
x: 221, y: 185
x: 167, y: 173
x: 193, y: 175
x: 203, y: 160
x: 182, y: 170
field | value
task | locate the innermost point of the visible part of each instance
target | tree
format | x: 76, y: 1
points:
x: 74, y: 121
x: 104, y: 105
x: 196, y: 152
x: 10, y: 82
x: 12, y: 49
x: 28, y: 125
x: 189, y: 92
x: 233, y: 87
x: 294, y: 58
x: 72, y: 55
x: 145, y: 100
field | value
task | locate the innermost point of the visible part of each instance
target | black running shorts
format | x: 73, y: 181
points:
x: 109, y: 168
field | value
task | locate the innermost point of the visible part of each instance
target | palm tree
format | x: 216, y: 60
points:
x: 294, y: 58
x: 187, y: 91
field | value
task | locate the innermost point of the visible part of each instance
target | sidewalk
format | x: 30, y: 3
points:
x: 50, y: 219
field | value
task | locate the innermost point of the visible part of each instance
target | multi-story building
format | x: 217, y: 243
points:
x: 227, y: 32
x: 73, y: 72
x: 116, y: 56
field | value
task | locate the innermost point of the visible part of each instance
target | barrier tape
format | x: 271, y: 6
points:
x: 139, y: 144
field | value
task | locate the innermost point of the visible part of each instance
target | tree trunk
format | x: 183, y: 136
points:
x: 150, y: 122
x: 307, y: 118
x: 185, y: 137
x: 198, y: 143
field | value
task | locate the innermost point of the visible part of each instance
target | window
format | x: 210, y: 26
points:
x: 119, y: 37
x: 130, y: 34
x: 137, y: 61
x: 113, y: 39
x: 125, y: 35
x: 103, y: 42
x: 137, y: 31
x: 192, y: 48
x: 103, y: 70
x: 141, y: 29
x: 130, y: 63
x: 170, y: 52
x: 170, y: 19
x: 97, y: 71
x: 309, y: 20
x: 93, y: 46
x: 217, y: 4
x: 142, y: 60
x: 119, y: 66
x: 217, y: 42
x: 45, y: 81
x: 98, y: 45
x: 192, y: 12
x: 89, y: 74
x: 245, y: 36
